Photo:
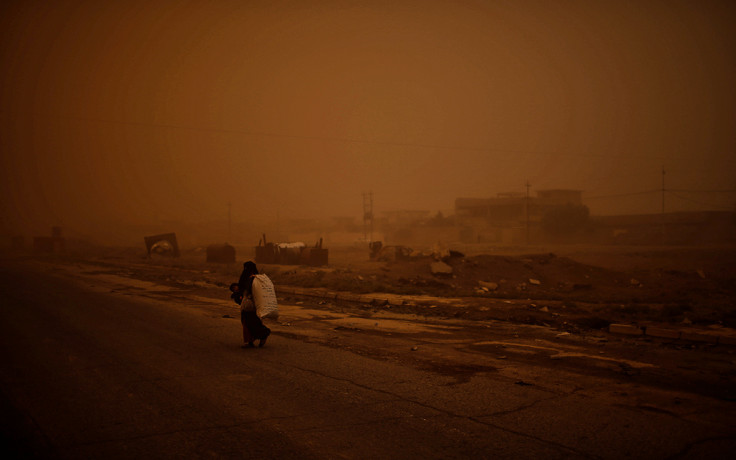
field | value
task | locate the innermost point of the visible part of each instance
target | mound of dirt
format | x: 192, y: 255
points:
x: 695, y: 285
x: 660, y: 294
x: 543, y: 276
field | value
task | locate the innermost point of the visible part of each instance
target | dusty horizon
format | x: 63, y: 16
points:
x: 132, y: 113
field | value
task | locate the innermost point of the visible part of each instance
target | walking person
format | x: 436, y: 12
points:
x: 237, y: 297
x: 253, y: 328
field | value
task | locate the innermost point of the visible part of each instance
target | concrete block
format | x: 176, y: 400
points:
x: 380, y: 302
x: 627, y: 329
x: 346, y: 296
x: 698, y: 337
x: 662, y: 332
x: 396, y: 302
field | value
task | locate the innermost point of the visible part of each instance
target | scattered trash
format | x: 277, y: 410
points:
x: 488, y: 285
x: 440, y: 268
x: 544, y: 309
x: 414, y: 348
x: 393, y: 253
x: 534, y: 281
x: 164, y: 245
x: 581, y: 287
x: 563, y: 334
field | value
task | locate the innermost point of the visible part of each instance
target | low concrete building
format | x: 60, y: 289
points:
x: 221, y: 253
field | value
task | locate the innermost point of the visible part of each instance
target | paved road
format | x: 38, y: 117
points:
x: 94, y: 371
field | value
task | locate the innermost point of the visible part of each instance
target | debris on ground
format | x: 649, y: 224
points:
x: 440, y: 269
x: 489, y: 286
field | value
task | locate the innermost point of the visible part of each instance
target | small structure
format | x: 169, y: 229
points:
x: 291, y: 253
x: 375, y: 248
x: 50, y: 244
x: 221, y: 253
x: 17, y: 243
x: 315, y: 256
x: 393, y: 253
x: 164, y: 244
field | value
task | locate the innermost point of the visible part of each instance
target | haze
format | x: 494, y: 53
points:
x: 127, y: 113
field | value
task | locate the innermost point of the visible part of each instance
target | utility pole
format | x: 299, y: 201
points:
x: 229, y: 222
x: 368, y: 215
x: 663, y: 220
x: 663, y: 189
x: 527, y: 212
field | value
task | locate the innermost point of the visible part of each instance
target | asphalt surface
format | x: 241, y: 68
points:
x: 96, y: 367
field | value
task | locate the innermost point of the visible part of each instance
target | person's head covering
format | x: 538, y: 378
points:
x: 250, y: 268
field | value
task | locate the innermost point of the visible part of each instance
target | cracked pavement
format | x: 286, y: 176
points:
x: 100, y: 364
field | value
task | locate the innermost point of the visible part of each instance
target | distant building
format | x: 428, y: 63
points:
x: 559, y: 197
x: 404, y: 216
x: 508, y: 208
x: 509, y: 217
x: 50, y: 244
x: 698, y: 228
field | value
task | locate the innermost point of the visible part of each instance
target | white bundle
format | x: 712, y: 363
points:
x: 264, y: 296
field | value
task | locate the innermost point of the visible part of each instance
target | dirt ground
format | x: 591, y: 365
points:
x: 567, y: 287
x: 588, y: 287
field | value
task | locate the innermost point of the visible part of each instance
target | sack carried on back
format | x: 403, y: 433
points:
x: 264, y: 296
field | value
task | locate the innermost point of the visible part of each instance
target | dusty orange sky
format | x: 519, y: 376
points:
x: 128, y: 112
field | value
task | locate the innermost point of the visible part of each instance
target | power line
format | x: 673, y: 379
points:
x: 623, y: 194
x: 701, y: 203
x: 701, y: 191
x: 333, y: 138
